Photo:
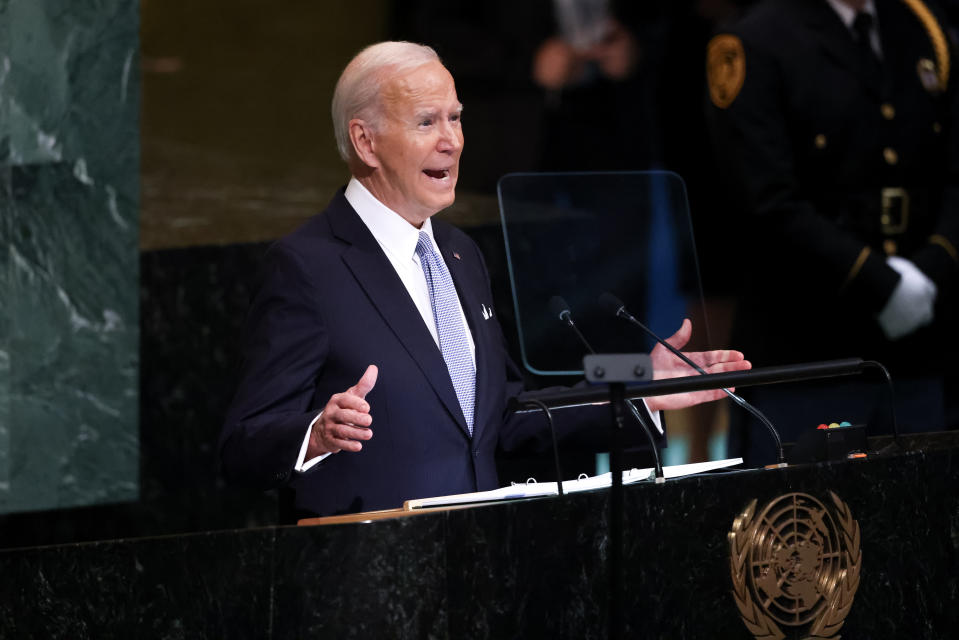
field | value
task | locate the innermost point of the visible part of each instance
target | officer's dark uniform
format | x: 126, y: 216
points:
x: 834, y: 165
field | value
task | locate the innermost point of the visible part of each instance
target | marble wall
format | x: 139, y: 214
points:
x: 69, y: 199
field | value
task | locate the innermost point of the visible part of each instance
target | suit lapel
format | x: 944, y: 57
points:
x: 376, y: 276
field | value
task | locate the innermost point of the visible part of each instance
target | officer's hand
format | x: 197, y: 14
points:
x: 345, y: 419
x: 911, y: 304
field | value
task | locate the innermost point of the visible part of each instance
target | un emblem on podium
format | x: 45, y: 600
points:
x: 795, y: 564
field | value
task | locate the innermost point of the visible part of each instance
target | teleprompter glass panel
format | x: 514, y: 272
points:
x: 579, y: 235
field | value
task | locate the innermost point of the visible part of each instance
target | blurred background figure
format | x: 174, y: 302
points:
x: 548, y: 85
x: 594, y: 70
x: 834, y: 125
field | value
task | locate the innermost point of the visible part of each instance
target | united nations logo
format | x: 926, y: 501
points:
x: 796, y: 564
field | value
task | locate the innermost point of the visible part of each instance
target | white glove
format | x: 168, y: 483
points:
x: 911, y: 304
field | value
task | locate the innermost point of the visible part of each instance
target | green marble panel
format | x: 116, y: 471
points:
x: 69, y: 163
x: 5, y: 200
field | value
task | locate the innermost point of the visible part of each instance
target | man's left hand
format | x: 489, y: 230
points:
x: 666, y: 365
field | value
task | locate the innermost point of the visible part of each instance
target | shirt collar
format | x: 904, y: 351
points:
x: 848, y: 15
x: 392, y: 232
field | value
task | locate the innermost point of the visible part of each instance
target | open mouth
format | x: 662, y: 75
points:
x: 437, y: 174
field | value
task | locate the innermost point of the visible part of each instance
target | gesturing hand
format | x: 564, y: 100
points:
x: 345, y: 419
x: 666, y: 365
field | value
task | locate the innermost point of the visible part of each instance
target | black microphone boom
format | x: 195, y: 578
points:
x: 559, y: 307
x: 616, y: 307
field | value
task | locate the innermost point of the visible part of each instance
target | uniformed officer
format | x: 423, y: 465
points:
x: 835, y: 128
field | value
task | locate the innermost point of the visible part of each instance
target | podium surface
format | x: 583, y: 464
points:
x: 525, y: 569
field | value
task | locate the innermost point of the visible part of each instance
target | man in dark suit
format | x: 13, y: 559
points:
x: 374, y: 368
x: 835, y: 125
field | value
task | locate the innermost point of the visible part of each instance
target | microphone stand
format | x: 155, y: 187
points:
x: 614, y: 370
x: 560, y: 308
x: 896, y: 443
x: 615, y: 305
x: 667, y: 386
x: 552, y: 433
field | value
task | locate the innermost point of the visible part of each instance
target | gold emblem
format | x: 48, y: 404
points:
x: 926, y: 69
x: 795, y: 564
x: 725, y: 69
x: 940, y: 44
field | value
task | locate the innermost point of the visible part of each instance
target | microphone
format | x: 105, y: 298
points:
x: 560, y: 309
x: 617, y: 307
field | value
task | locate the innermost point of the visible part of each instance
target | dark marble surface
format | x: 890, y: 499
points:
x: 69, y: 198
x: 214, y: 585
x: 343, y: 581
x: 193, y: 302
x: 529, y: 569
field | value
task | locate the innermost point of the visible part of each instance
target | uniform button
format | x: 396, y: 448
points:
x: 820, y: 141
x: 888, y: 111
x: 890, y: 247
x: 936, y: 127
x: 890, y: 155
x: 475, y: 453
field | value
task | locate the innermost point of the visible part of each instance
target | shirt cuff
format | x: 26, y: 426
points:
x: 302, y: 466
x: 657, y: 417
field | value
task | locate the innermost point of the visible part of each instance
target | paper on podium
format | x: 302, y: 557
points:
x: 538, y: 489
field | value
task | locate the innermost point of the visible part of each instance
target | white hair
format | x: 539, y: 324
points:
x: 358, y: 89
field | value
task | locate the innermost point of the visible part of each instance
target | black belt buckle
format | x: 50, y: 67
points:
x: 895, y: 210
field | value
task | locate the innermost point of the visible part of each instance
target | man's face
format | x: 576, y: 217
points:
x: 417, y: 143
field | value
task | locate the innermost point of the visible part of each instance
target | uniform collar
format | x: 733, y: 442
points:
x: 847, y: 14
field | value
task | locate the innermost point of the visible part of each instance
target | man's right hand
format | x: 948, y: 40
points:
x: 345, y: 419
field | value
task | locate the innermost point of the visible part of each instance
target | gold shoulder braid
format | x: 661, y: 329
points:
x: 939, y: 43
x: 943, y: 242
x: 856, y: 267
x: 725, y: 68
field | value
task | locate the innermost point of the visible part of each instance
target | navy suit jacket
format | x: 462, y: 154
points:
x: 328, y: 304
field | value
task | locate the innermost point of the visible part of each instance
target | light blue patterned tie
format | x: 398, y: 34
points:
x: 454, y: 344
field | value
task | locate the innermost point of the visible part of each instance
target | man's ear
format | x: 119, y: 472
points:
x: 361, y: 136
